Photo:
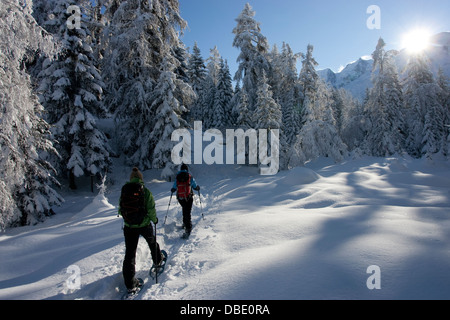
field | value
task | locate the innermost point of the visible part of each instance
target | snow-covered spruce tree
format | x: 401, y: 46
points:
x: 95, y: 10
x: 213, y: 64
x: 140, y: 36
x: 71, y: 90
x: 289, y: 96
x: 213, y: 115
x: 94, y: 18
x: 26, y: 193
x: 206, y: 102
x: 197, y: 74
x: 286, y: 89
x: 268, y: 111
x: 234, y: 104
x: 276, y: 74
x: 337, y: 108
x: 444, y: 96
x: 244, y: 119
x: 181, y: 55
x: 352, y: 130
x: 196, y: 69
x: 383, y: 108
x: 222, y: 98
x: 43, y: 13
x: 425, y: 113
x: 254, y: 49
x: 308, y: 76
x: 444, y: 99
x: 226, y: 83
x: 318, y: 135
x: 168, y: 112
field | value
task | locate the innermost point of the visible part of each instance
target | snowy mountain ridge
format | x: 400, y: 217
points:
x: 356, y: 76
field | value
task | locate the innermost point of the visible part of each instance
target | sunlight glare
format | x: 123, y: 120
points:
x: 416, y: 41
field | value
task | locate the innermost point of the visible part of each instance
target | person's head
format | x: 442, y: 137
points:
x: 135, y: 173
x: 184, y: 167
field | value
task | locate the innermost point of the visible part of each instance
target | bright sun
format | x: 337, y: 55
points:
x: 416, y: 41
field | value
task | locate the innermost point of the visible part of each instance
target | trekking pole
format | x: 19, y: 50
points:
x: 168, y: 208
x: 201, y: 206
x: 156, y: 249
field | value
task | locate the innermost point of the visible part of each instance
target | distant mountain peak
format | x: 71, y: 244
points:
x: 356, y: 76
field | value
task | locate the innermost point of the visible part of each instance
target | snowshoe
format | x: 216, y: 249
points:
x: 186, y: 234
x: 132, y: 293
x: 159, y: 269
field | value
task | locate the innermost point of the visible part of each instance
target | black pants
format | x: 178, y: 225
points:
x: 186, y: 204
x: 131, y: 242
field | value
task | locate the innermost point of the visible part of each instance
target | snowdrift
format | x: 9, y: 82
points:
x: 309, y: 233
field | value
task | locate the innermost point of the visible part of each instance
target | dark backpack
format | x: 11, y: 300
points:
x: 184, y: 185
x: 132, y: 203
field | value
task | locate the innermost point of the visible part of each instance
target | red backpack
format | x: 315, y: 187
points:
x: 184, y: 190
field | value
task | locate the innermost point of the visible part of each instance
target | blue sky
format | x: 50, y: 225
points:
x: 337, y: 29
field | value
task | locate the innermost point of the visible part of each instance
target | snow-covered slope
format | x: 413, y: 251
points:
x: 356, y: 76
x: 310, y: 233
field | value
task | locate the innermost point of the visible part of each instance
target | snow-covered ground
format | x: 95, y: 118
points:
x: 309, y: 233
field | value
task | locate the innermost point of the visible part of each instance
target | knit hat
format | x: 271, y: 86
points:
x: 184, y: 167
x: 136, y: 174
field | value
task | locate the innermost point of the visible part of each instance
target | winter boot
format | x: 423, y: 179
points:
x: 137, y: 284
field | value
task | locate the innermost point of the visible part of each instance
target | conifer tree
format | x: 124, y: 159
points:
x: 276, y: 74
x: 244, y: 119
x: 213, y: 64
x: 234, y: 105
x: 168, y: 110
x: 181, y: 56
x: 268, y: 111
x: 352, y: 130
x: 425, y: 113
x: 26, y: 179
x: 222, y: 98
x: 290, y: 94
x: 197, y: 74
x: 308, y: 76
x: 267, y: 114
x: 207, y: 102
x: 318, y: 135
x: 196, y: 69
x: 383, y: 108
x: 71, y: 91
x: 133, y: 67
x: 254, y: 49
x: 287, y: 93
x: 444, y: 99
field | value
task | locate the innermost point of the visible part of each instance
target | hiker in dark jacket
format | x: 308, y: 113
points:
x: 133, y: 232
x: 185, y: 194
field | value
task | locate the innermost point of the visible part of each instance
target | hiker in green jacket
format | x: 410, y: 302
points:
x: 138, y: 213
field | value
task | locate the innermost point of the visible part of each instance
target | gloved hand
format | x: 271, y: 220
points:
x: 173, y: 190
x: 156, y: 222
x: 197, y: 188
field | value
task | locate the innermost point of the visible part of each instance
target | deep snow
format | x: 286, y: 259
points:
x: 309, y: 233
